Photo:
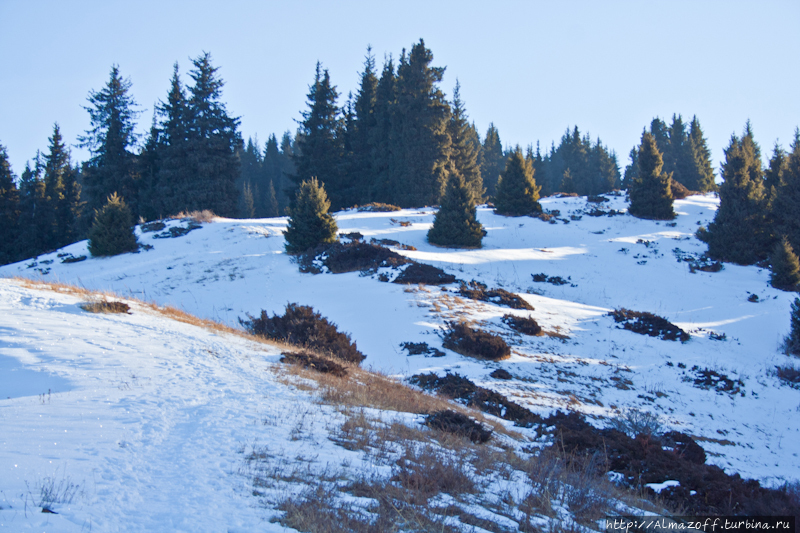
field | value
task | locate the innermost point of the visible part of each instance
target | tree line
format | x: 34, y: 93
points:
x: 398, y: 140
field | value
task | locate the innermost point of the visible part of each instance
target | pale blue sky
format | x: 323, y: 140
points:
x: 532, y: 68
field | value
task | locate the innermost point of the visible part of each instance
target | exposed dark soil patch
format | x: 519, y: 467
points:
x: 69, y: 258
x: 645, y: 323
x: 475, y: 342
x: 156, y: 225
x: 422, y: 348
x: 314, y: 362
x: 711, y: 379
x: 177, y: 231
x: 459, y: 424
x: 460, y: 388
x: 553, y: 280
x: 476, y: 290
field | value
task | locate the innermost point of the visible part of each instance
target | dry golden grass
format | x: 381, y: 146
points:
x: 197, y: 216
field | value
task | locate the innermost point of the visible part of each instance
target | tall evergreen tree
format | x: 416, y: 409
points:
x: 456, y: 223
x: 632, y: 170
x: 492, y: 159
x: 517, y: 192
x: 212, y: 143
x: 173, y: 179
x: 422, y: 145
x: 678, y: 157
x: 773, y: 174
x: 32, y: 223
x: 9, y: 210
x: 310, y: 224
x: 738, y: 233
x: 110, y: 140
x: 700, y: 176
x: 321, y: 143
x: 465, y: 146
x: 383, y: 135
x: 650, y: 193
x: 786, y: 205
x: 361, y: 134
x: 59, y: 192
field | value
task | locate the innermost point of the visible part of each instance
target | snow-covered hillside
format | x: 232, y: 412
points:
x: 227, y: 269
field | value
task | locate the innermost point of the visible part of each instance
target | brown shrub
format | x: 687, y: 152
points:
x: 450, y: 421
x: 645, y: 323
x: 475, y: 342
x: 679, y: 191
x: 419, y: 273
x: 790, y: 374
x: 704, y: 489
x: 476, y: 290
x: 314, y: 362
x: 521, y: 324
x: 458, y: 387
x: 352, y: 257
x: 301, y: 325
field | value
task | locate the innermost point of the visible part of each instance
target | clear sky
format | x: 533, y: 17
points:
x: 533, y: 68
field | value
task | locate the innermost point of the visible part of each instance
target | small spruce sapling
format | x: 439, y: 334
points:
x: 310, y: 224
x: 785, y: 267
x: 456, y: 223
x: 112, y: 232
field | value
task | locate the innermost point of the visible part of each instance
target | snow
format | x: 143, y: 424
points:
x: 170, y: 394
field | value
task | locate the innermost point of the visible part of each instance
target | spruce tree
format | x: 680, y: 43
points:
x: 492, y: 160
x: 33, y: 231
x: 173, y: 179
x: 456, y: 223
x: 110, y: 141
x: 773, y: 174
x: 383, y: 136
x: 785, y: 267
x: 361, y: 135
x: 212, y: 143
x: 112, y: 232
x: 517, y: 193
x: 62, y: 194
x: 421, y: 142
x: 738, y: 233
x: 321, y: 142
x: 701, y: 175
x: 465, y: 147
x: 9, y: 210
x: 632, y: 170
x: 650, y: 193
x: 786, y: 204
x: 679, y: 158
x: 792, y: 341
x: 310, y: 224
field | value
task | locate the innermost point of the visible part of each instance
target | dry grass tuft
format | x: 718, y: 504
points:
x: 106, y: 306
x: 200, y: 217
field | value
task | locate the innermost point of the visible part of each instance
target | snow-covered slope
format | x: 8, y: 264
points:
x: 229, y: 268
